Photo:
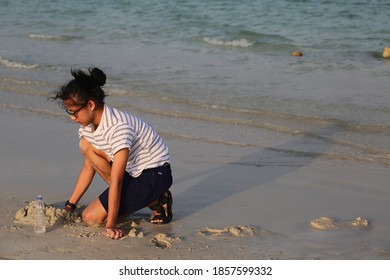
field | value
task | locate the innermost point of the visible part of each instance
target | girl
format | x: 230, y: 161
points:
x: 123, y: 149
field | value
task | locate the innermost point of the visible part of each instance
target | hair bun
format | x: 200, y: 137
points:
x: 98, y: 76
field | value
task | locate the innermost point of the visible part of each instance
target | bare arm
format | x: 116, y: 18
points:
x: 83, y: 182
x: 117, y: 172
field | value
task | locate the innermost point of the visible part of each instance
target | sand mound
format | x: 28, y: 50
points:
x: 323, y: 223
x: 163, y: 241
x: 135, y: 230
x: 326, y: 223
x: 232, y: 230
x: 53, y: 215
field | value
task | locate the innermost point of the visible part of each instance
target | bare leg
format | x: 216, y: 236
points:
x: 95, y: 214
x: 98, y: 159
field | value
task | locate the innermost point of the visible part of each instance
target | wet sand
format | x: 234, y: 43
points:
x: 223, y: 209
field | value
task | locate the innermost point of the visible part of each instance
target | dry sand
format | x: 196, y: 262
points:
x: 222, y: 209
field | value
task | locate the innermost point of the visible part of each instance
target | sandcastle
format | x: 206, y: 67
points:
x: 53, y: 215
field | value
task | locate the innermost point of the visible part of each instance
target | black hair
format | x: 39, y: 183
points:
x: 84, y: 87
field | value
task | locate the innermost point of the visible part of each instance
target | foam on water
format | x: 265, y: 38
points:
x: 244, y: 43
x: 15, y: 64
x: 51, y: 37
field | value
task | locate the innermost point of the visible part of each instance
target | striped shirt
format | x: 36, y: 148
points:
x: 120, y: 130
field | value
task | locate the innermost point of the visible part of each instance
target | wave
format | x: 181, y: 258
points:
x: 316, y: 129
x: 256, y: 42
x: 348, y: 140
x: 16, y: 65
x: 26, y: 87
x: 51, y: 37
x: 253, y: 117
x: 359, y: 153
x: 241, y: 43
x: 382, y: 158
x: 33, y: 110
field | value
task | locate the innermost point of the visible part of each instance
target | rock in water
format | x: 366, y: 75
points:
x: 297, y: 54
x: 386, y: 53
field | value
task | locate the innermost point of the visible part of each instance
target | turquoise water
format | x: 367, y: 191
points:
x: 216, y: 71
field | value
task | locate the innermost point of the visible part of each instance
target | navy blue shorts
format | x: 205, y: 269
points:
x: 139, y: 192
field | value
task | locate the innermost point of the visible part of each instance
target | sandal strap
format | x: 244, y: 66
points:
x: 157, y: 207
x: 163, y: 200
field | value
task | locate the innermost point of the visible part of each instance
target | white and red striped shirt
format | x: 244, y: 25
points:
x: 120, y: 130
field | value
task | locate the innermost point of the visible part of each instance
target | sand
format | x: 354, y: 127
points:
x: 323, y: 209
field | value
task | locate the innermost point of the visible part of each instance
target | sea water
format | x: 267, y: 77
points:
x: 216, y: 71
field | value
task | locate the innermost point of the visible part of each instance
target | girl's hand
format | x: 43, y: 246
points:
x: 113, y: 232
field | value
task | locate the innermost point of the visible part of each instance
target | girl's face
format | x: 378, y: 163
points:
x: 80, y: 113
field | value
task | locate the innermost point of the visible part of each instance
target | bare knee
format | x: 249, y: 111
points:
x: 91, y: 219
x: 89, y: 151
x: 85, y: 146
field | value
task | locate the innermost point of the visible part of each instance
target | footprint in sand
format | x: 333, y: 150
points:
x: 326, y: 223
